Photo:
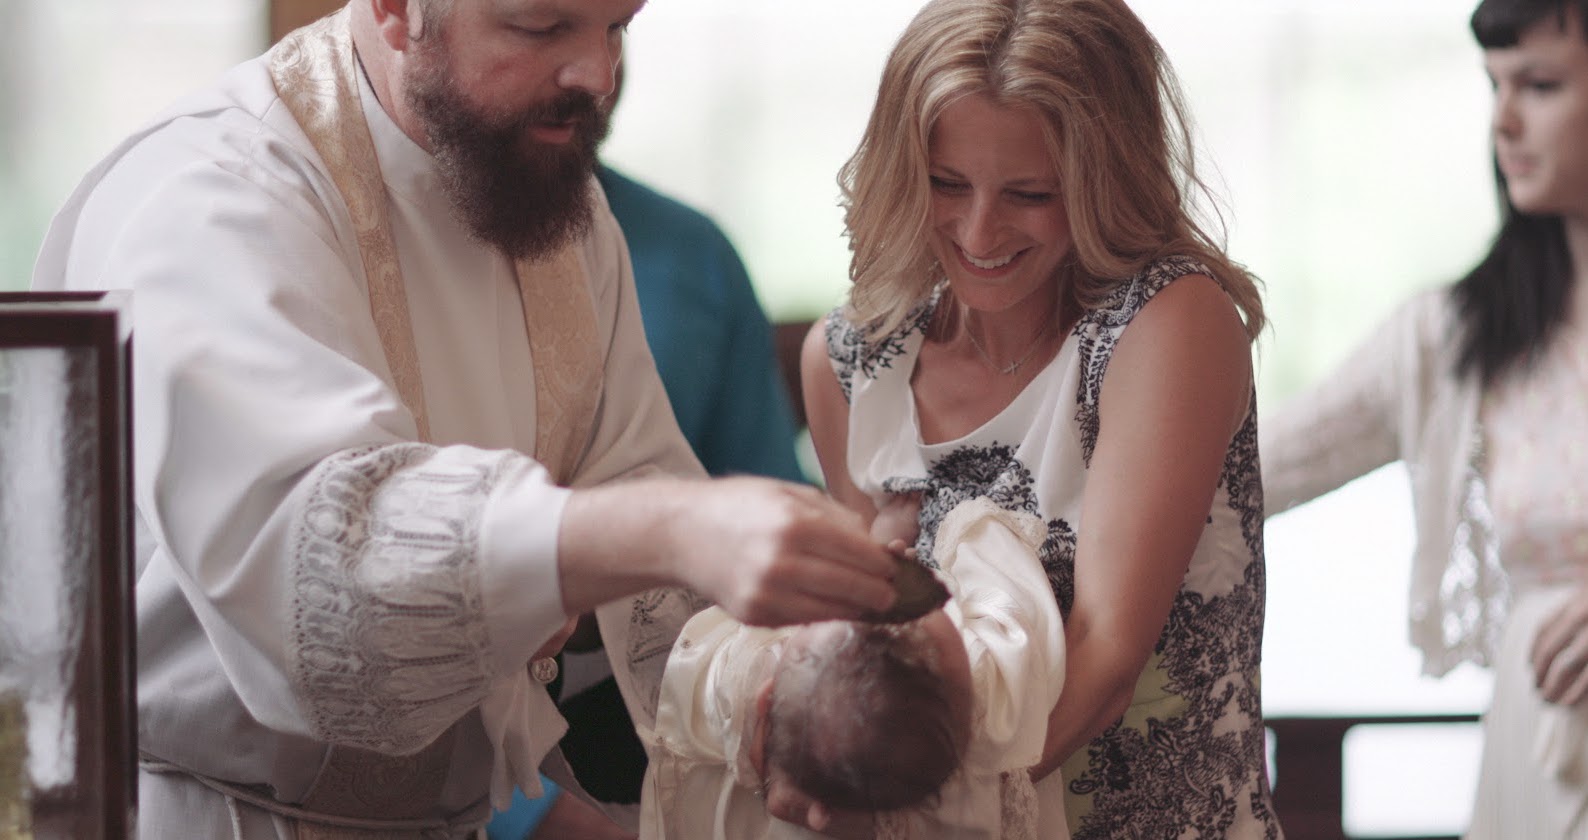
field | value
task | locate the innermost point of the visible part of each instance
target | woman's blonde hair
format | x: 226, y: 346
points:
x: 1114, y: 125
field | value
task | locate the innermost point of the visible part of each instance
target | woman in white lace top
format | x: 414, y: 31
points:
x: 1482, y: 389
x: 1037, y: 318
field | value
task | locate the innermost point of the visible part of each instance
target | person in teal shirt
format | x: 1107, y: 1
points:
x: 710, y: 337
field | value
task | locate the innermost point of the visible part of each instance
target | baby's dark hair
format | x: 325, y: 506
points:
x: 870, y: 723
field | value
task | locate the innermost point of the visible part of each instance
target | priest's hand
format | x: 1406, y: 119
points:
x: 769, y: 552
x: 773, y: 553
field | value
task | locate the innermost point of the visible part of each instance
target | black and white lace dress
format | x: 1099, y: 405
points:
x: 1188, y: 758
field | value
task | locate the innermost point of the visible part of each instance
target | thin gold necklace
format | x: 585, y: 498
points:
x: 1014, y: 365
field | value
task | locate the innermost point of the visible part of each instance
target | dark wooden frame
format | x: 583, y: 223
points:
x: 1309, y: 763
x: 102, y: 804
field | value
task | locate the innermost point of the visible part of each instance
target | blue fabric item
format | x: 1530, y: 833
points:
x: 710, y: 337
x: 522, y: 817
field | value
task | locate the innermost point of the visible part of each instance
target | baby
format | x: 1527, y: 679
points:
x: 921, y: 728
x: 866, y: 717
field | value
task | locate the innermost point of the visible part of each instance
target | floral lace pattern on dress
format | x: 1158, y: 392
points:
x: 1099, y: 330
x: 1208, y: 660
x: 1188, y: 759
x: 387, y: 603
x: 1207, y: 656
x: 849, y: 352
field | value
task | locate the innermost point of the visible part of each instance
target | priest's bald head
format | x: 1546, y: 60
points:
x: 507, y: 94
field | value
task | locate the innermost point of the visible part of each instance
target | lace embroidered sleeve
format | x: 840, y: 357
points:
x: 386, y: 596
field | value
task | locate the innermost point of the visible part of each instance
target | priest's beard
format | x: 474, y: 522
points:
x: 522, y: 196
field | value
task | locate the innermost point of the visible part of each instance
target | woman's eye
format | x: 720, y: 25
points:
x: 945, y: 185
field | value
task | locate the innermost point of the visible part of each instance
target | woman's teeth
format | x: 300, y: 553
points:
x: 988, y: 265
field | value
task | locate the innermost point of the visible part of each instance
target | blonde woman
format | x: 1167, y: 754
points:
x: 1037, y: 317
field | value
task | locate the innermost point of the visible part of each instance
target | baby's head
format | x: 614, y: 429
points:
x: 870, y: 717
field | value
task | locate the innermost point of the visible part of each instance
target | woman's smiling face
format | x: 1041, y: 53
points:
x: 998, y: 216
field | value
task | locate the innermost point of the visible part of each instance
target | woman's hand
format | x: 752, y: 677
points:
x: 1560, y: 651
x: 898, y: 519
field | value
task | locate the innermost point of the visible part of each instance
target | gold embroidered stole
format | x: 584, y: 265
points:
x: 317, y: 74
x: 315, y: 70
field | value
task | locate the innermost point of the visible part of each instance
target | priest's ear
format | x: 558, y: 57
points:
x: 402, y: 22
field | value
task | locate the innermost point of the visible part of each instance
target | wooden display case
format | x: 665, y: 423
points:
x: 67, y: 714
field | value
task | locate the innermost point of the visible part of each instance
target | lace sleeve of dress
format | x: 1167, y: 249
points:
x: 1354, y: 419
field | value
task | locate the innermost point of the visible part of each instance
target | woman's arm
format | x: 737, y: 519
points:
x: 1176, y: 390
x: 827, y: 413
x: 1352, y: 421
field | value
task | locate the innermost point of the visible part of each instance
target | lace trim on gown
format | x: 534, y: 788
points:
x: 1473, y: 591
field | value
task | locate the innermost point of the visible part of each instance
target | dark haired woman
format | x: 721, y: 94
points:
x: 1482, y: 389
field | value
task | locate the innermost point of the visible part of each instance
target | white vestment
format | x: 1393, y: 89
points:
x: 700, y: 783
x: 310, y: 573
